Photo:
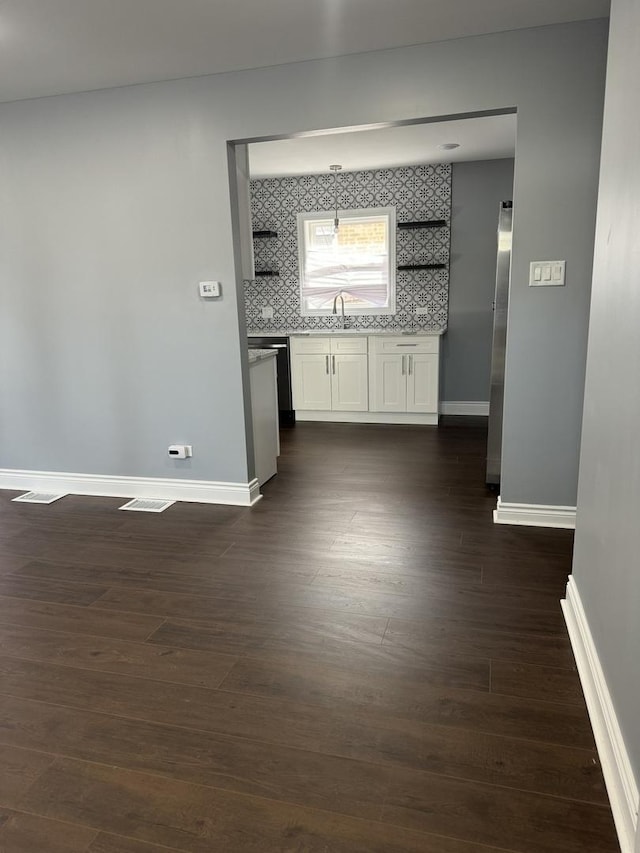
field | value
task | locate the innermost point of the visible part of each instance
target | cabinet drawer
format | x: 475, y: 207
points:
x: 300, y: 344
x: 322, y: 344
x: 405, y: 343
x: 356, y: 345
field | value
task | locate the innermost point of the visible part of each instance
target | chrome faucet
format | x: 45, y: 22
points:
x: 335, y: 307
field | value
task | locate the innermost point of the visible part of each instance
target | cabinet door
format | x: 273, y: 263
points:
x: 388, y: 382
x: 422, y: 383
x: 349, y: 383
x: 311, y: 381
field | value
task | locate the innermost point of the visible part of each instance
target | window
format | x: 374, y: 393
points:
x: 357, y: 262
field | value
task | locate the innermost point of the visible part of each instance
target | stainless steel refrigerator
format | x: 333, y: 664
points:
x: 500, y: 307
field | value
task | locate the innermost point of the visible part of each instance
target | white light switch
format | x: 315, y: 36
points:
x: 209, y: 289
x: 267, y: 312
x: 546, y: 273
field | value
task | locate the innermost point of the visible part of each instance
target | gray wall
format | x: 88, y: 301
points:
x: 108, y: 354
x: 114, y: 204
x: 478, y: 188
x: 606, y: 567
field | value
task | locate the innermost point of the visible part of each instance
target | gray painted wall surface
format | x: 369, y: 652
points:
x: 478, y: 188
x: 606, y: 566
x: 114, y: 204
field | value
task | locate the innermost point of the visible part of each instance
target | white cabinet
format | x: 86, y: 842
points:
x: 403, y: 374
x: 264, y: 410
x: 388, y: 382
x: 329, y: 374
x: 311, y: 381
x: 349, y: 383
x: 367, y: 379
x: 422, y: 383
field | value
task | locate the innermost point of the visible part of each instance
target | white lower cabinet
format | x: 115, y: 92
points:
x: 330, y: 374
x: 388, y: 382
x: 264, y: 410
x: 378, y: 378
x: 349, y: 383
x: 403, y: 374
x: 422, y: 382
x: 404, y: 383
x: 311, y: 381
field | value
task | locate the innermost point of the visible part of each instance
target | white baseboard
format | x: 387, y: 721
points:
x: 622, y: 786
x: 368, y: 417
x: 195, y: 491
x: 535, y: 515
x: 464, y: 407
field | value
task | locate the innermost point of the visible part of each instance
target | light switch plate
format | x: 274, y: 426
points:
x: 421, y: 311
x: 209, y: 289
x: 547, y: 273
x: 267, y: 312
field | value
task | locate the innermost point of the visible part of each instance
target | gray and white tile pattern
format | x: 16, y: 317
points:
x: 417, y: 192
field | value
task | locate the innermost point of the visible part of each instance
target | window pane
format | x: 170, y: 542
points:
x: 353, y: 262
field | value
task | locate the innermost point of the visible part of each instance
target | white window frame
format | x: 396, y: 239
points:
x: 390, y: 213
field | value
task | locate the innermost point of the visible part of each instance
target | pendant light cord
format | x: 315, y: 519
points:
x: 335, y: 169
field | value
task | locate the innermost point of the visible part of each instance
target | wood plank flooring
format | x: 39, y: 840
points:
x: 361, y: 663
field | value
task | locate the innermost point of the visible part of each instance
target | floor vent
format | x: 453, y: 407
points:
x: 37, y: 498
x: 147, y: 505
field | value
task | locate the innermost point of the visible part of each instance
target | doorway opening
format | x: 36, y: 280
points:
x: 444, y: 179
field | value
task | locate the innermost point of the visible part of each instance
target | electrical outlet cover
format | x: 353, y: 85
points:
x: 547, y: 273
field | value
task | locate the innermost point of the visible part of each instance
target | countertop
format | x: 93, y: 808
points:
x: 282, y: 333
x: 261, y: 354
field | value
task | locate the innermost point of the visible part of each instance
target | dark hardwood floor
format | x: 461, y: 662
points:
x: 362, y: 663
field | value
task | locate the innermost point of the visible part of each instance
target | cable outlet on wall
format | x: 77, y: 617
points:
x: 180, y: 451
x: 267, y: 312
x: 421, y: 311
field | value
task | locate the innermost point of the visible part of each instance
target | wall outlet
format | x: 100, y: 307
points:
x: 421, y: 311
x: 267, y: 312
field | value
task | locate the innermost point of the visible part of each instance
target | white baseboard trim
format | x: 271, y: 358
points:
x: 464, y: 407
x: 368, y: 417
x: 622, y: 786
x: 195, y: 491
x: 535, y: 515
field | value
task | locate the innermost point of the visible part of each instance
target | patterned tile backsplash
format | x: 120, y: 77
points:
x: 417, y: 192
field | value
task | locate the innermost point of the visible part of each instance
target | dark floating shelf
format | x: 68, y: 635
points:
x: 267, y: 273
x: 265, y: 233
x: 426, y: 223
x: 422, y: 267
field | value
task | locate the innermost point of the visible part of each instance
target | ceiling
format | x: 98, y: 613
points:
x: 49, y: 47
x: 479, y: 139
